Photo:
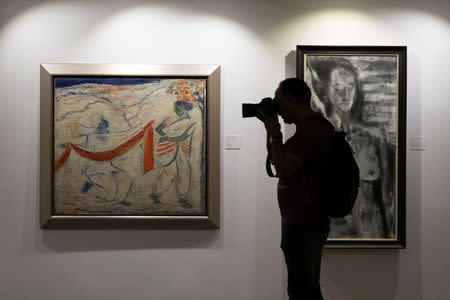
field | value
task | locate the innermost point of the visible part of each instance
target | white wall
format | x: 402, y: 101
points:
x: 250, y: 40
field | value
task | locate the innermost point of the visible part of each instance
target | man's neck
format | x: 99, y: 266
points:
x: 302, y: 114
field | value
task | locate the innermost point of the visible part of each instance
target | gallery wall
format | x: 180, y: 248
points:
x: 251, y: 41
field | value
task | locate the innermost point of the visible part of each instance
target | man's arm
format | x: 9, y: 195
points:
x: 285, y: 163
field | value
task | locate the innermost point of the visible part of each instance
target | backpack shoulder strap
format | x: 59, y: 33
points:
x: 320, y: 117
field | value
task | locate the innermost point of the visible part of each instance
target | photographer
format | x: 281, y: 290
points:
x: 300, y: 163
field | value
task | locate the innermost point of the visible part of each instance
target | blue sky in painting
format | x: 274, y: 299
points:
x: 62, y: 82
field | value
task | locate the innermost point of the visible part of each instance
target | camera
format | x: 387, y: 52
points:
x: 267, y: 105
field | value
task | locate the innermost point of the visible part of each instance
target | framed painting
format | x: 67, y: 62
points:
x: 362, y: 90
x: 130, y: 146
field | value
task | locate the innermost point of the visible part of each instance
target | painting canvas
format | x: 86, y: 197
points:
x: 131, y: 146
x: 360, y: 90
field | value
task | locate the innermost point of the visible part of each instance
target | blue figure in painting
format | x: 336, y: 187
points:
x: 105, y: 180
x: 173, y: 154
x: 102, y: 129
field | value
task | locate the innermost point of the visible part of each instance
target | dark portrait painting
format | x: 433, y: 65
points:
x: 361, y: 91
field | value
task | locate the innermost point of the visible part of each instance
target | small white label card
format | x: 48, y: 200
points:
x: 417, y: 143
x: 232, y: 142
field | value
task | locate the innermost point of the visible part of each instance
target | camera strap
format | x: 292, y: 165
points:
x: 268, y: 167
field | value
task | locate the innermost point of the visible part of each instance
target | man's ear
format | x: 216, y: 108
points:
x: 291, y: 99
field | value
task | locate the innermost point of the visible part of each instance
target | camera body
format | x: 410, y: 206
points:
x: 267, y: 105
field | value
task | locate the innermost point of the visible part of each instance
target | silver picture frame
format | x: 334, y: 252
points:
x: 211, y: 216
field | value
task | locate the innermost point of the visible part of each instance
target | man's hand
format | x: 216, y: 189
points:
x: 272, y: 125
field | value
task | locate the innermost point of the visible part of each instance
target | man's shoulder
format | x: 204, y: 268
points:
x: 315, y: 125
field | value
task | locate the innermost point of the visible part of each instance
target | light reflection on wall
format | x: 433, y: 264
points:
x: 359, y: 27
x: 179, y: 34
x: 332, y: 27
x: 116, y: 31
x: 123, y: 28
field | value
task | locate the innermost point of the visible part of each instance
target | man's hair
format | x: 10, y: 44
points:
x: 297, y: 88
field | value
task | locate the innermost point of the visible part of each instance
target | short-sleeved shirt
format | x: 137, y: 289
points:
x: 299, y: 194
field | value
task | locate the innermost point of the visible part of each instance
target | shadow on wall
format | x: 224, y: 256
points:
x: 360, y: 274
x: 99, y: 240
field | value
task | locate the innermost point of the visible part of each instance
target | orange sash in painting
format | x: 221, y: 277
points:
x: 148, y: 162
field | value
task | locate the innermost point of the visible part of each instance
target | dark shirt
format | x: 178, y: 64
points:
x: 298, y: 194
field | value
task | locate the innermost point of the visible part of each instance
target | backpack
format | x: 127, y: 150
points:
x: 341, y: 178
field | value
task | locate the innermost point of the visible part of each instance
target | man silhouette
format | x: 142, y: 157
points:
x: 300, y: 164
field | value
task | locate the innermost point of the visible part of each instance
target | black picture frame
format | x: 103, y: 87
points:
x: 368, y: 88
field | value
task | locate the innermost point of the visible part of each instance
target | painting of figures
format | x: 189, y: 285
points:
x: 129, y: 145
x: 360, y: 91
